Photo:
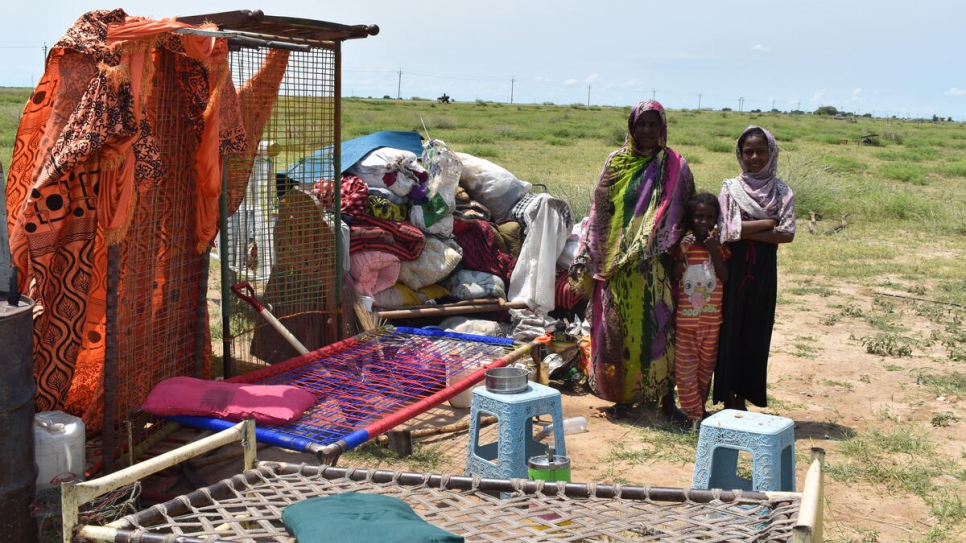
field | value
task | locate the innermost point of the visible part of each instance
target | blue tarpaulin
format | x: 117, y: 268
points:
x: 310, y: 168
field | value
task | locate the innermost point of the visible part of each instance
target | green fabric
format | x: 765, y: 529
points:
x: 360, y: 518
x: 629, y: 232
x: 511, y: 233
x: 381, y: 208
x: 434, y: 210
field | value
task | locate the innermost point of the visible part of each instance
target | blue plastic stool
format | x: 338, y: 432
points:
x: 506, y: 458
x: 769, y: 439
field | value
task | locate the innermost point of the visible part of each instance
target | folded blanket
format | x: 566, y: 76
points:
x: 438, y: 259
x: 399, y: 238
x: 356, y: 517
x: 473, y: 285
x: 373, y: 271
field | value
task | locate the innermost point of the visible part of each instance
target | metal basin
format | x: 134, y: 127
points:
x: 506, y: 380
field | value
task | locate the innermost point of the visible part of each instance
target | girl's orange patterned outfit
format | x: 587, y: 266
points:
x: 697, y: 326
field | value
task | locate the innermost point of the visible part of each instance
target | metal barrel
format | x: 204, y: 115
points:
x: 18, y: 471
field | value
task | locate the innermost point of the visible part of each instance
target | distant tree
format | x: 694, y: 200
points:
x: 827, y: 110
x: 726, y: 109
x: 774, y: 110
x: 755, y: 111
x: 867, y: 115
x: 386, y: 97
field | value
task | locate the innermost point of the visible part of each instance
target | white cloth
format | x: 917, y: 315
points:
x: 533, y: 278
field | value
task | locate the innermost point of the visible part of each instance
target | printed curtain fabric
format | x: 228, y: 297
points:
x: 89, y: 142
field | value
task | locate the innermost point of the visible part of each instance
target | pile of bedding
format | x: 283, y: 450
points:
x: 430, y: 225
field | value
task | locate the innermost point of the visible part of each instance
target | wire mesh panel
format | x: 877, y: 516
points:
x: 159, y: 272
x: 280, y: 238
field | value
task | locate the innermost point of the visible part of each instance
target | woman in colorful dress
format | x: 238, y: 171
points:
x: 624, y: 267
x: 757, y: 215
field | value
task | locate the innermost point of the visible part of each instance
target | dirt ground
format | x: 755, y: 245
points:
x: 820, y: 375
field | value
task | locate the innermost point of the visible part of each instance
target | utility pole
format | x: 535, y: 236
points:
x: 699, y: 102
x: 399, y: 87
x: 773, y: 104
x: 511, y: 89
x: 588, y: 95
x: 653, y: 94
x: 741, y: 103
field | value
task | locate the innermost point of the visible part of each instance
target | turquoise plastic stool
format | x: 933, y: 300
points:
x: 769, y: 439
x: 506, y: 458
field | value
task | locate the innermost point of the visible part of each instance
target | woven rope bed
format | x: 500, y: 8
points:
x: 248, y: 507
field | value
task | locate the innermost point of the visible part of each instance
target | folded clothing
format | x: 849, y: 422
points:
x: 355, y: 517
x: 373, y: 271
x: 274, y: 405
x: 473, y: 285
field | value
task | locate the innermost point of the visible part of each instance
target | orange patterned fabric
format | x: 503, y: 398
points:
x: 86, y: 148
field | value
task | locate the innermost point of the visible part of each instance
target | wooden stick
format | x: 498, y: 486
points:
x: 811, y: 514
x: 811, y: 223
x: 916, y: 299
x: 448, y: 429
x: 449, y: 309
x: 840, y: 226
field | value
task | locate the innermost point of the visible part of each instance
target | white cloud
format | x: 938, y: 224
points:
x: 592, y: 78
x: 570, y: 82
x: 956, y: 92
x: 817, y: 97
x: 857, y: 92
x: 760, y: 47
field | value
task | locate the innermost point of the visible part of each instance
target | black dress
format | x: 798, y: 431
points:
x: 749, y: 315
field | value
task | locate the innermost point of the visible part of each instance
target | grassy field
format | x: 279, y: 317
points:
x: 900, y: 187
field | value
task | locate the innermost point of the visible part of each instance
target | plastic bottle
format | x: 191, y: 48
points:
x: 572, y: 425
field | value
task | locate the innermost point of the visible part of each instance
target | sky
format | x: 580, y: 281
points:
x: 884, y: 57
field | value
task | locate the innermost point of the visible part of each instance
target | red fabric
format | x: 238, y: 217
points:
x: 267, y: 404
x: 398, y: 238
x: 480, y: 249
x: 352, y: 196
x: 565, y: 297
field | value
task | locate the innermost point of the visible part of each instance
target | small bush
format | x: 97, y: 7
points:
x: 907, y: 173
x: 886, y: 345
x: 482, y: 151
x: 844, y: 164
x: 718, y: 146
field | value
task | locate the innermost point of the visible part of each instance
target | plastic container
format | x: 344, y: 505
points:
x: 59, y: 442
x: 573, y: 425
x: 549, y: 467
x: 464, y: 399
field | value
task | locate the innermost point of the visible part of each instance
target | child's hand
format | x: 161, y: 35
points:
x: 687, y: 241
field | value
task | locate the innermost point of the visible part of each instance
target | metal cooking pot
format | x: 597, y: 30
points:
x: 506, y: 380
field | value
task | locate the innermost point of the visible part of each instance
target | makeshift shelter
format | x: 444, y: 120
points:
x: 140, y: 134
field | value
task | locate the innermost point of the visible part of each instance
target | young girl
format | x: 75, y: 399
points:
x: 701, y: 273
x: 757, y: 215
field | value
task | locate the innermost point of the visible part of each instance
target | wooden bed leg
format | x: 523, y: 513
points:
x: 401, y: 442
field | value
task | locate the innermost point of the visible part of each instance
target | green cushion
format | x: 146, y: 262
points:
x: 360, y: 518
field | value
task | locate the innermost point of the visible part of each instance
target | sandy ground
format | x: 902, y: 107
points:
x: 821, y: 376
